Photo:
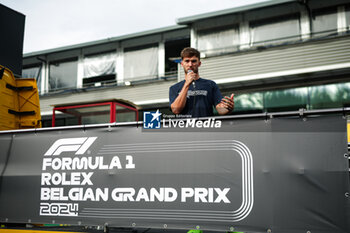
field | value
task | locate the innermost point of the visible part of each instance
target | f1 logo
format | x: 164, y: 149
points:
x: 151, y: 120
x: 80, y: 145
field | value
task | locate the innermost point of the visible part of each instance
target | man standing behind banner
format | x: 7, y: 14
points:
x: 195, y: 96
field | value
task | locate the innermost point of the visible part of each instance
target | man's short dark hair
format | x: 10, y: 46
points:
x: 190, y: 52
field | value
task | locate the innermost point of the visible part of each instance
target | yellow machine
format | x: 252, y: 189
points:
x: 19, y: 105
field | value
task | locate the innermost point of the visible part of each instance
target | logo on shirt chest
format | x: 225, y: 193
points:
x: 197, y: 93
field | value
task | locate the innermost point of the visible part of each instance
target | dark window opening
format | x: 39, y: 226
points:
x: 172, y: 54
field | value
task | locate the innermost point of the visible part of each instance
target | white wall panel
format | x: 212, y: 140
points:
x: 278, y: 59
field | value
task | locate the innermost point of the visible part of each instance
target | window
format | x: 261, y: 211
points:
x: 292, y: 99
x: 94, y: 113
x: 277, y: 30
x: 347, y: 16
x: 33, y: 72
x: 172, y: 55
x: 124, y: 114
x: 324, y: 22
x: 219, y: 41
x: 141, y: 63
x: 63, y: 75
x: 285, y: 100
x: 99, y: 69
x: 248, y: 103
x: 330, y: 96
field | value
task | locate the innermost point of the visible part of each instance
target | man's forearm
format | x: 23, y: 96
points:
x: 180, y: 101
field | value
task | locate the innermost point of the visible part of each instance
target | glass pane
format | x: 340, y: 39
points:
x: 63, y: 75
x: 286, y: 100
x: 285, y: 30
x: 96, y: 119
x: 124, y: 114
x: 33, y: 72
x: 141, y: 64
x: 85, y: 115
x: 248, y: 102
x: 98, y: 65
x: 219, y: 41
x: 330, y: 96
x: 64, y: 119
x: 326, y: 23
x: 95, y: 115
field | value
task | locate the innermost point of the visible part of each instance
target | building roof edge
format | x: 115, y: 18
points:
x: 191, y: 19
x: 103, y: 41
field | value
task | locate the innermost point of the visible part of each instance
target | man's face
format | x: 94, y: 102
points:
x: 190, y: 63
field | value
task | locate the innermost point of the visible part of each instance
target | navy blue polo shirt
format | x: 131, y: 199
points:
x: 202, y: 96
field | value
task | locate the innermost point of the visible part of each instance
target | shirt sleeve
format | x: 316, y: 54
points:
x: 172, y: 94
x: 217, y: 97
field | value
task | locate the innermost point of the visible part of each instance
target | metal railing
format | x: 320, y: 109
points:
x: 300, y: 113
